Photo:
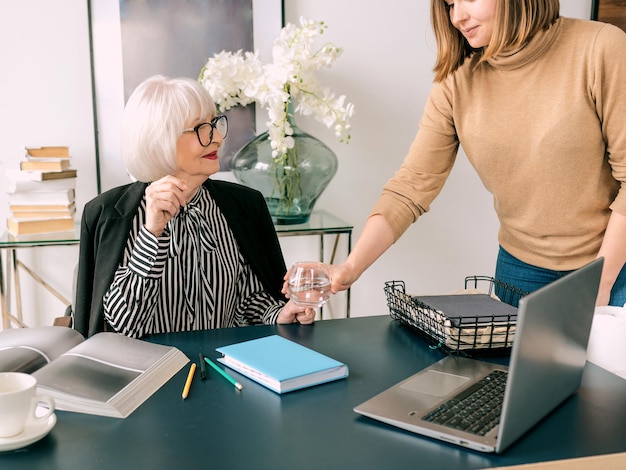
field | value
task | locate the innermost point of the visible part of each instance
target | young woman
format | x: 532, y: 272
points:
x: 538, y: 103
x: 177, y: 251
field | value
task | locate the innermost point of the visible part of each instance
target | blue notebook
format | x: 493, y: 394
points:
x: 280, y: 364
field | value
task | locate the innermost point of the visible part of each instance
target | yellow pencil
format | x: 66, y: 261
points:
x: 192, y: 370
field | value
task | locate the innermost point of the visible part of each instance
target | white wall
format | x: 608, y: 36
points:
x: 45, y: 99
x: 385, y: 71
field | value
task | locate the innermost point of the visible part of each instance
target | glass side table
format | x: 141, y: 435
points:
x: 9, y: 244
x: 322, y: 223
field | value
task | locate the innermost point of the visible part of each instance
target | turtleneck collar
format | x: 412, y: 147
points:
x: 537, y: 46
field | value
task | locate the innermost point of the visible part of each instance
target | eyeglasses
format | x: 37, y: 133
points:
x: 204, y: 130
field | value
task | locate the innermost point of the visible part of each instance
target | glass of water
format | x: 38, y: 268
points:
x: 309, y: 283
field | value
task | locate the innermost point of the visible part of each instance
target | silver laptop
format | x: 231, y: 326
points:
x: 546, y: 365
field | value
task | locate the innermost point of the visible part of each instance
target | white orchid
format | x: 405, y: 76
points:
x: 239, y: 79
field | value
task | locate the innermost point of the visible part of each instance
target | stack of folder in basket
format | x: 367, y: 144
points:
x: 468, y: 321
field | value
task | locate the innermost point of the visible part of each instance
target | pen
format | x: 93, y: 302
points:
x: 192, y: 369
x: 237, y: 385
x: 202, y: 368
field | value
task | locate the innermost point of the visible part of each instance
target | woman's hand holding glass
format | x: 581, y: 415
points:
x: 308, y: 284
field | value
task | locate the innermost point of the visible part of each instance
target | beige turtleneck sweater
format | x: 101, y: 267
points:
x: 545, y: 128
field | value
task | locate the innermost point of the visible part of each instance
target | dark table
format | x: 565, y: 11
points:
x: 220, y: 428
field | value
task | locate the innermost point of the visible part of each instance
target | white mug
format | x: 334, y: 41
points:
x: 19, y: 401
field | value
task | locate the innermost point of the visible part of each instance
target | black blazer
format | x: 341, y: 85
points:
x: 106, y: 223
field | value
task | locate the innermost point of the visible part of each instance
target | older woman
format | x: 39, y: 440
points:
x: 175, y: 250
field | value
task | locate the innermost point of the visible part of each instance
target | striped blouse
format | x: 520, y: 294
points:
x: 192, y: 277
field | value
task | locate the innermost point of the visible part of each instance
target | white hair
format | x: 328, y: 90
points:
x: 154, y: 116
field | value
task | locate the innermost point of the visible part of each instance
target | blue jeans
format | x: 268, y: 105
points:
x: 529, y: 278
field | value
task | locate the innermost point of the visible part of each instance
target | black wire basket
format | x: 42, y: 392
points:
x: 472, y: 335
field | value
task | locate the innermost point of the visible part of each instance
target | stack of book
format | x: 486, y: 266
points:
x: 42, y: 193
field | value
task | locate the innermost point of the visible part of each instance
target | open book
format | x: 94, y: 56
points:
x: 108, y: 374
x: 280, y: 364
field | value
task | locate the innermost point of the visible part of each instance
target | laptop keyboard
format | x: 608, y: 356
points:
x: 476, y: 409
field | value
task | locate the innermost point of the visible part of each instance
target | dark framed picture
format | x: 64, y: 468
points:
x: 134, y: 39
x: 610, y: 11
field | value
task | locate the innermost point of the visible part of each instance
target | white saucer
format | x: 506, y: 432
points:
x: 31, y: 434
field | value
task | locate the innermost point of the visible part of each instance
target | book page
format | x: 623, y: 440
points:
x: 120, y: 351
x: 21, y: 360
x: 85, y: 378
x: 35, y: 347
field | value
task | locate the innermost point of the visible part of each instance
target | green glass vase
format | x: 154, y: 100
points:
x: 292, y: 184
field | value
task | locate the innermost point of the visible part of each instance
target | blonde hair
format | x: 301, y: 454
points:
x: 517, y: 21
x: 154, y: 116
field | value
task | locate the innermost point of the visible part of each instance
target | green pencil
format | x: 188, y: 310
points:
x: 237, y: 385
